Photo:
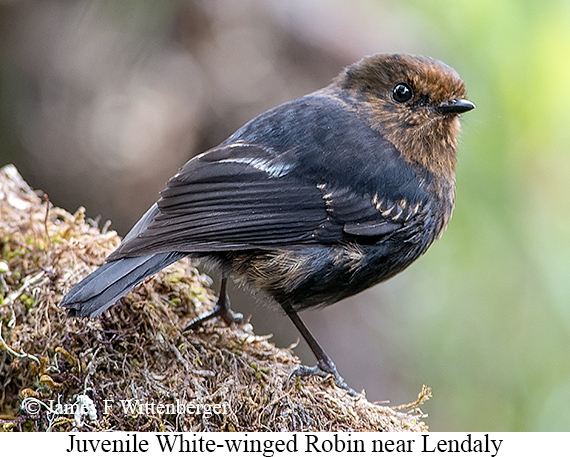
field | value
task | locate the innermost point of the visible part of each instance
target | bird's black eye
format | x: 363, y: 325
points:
x: 402, y: 93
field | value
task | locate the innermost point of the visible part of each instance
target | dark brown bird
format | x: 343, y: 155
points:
x: 312, y: 201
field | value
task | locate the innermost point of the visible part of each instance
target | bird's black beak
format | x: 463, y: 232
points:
x: 455, y: 107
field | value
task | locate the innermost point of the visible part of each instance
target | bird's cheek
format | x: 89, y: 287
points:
x: 421, y: 116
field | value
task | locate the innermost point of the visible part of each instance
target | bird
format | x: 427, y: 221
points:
x: 311, y: 202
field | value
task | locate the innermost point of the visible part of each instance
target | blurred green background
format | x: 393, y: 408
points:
x: 102, y: 101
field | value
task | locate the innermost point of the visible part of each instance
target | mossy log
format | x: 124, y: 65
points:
x: 132, y: 368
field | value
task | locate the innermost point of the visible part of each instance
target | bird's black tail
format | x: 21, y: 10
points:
x: 96, y: 292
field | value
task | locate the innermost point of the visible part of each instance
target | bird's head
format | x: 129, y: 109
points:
x: 414, y: 102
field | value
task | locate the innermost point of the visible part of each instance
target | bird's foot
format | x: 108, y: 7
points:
x: 227, y: 315
x: 221, y: 309
x: 322, y: 369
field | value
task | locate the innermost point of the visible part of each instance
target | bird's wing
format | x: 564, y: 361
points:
x: 244, y: 196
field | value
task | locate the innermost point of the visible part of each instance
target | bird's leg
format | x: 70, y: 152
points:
x: 325, y: 366
x: 221, y: 309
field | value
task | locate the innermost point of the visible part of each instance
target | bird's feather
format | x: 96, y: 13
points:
x: 255, y: 192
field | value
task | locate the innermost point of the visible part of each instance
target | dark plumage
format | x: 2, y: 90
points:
x: 312, y: 201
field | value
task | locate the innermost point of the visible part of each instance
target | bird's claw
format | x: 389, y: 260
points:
x: 323, y: 371
x: 227, y: 315
x: 221, y: 309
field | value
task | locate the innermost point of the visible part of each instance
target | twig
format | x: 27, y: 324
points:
x: 46, y: 198
x: 423, y: 396
x: 27, y: 283
x: 9, y: 350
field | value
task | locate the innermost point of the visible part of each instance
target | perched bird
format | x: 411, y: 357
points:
x: 312, y: 201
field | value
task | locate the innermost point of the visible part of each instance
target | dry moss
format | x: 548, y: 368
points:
x: 135, y: 351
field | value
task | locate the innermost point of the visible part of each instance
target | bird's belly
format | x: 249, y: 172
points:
x: 318, y: 276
